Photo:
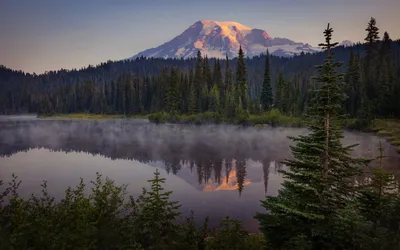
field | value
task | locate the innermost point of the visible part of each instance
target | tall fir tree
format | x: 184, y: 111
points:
x: 162, y: 90
x: 280, y: 92
x: 214, y: 101
x: 319, y: 179
x: 192, y: 94
x: 198, y: 81
x: 371, y: 63
x: 354, y: 86
x: 228, y: 77
x: 266, y: 92
x: 219, y: 80
x: 172, y: 92
x: 241, y: 83
x: 386, y: 79
x: 207, y: 74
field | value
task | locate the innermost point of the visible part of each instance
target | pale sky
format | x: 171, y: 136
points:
x: 41, y: 35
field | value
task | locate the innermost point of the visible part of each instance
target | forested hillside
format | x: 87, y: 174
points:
x: 147, y: 85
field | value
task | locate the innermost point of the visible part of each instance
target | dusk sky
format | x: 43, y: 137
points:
x: 37, y: 36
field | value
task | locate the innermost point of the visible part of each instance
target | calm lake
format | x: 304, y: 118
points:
x: 214, y: 170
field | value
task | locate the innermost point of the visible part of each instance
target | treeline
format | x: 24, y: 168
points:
x: 230, y: 87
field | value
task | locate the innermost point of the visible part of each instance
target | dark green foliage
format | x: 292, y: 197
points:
x: 219, y: 80
x: 371, y: 64
x: 104, y: 219
x: 379, y: 204
x: 172, y: 95
x: 207, y: 74
x: 159, y: 117
x: 232, y: 236
x: 192, y: 99
x: 354, y: 87
x: 199, y: 81
x: 155, y: 216
x: 266, y: 92
x: 319, y: 179
x: 228, y: 76
x: 282, y: 94
x: 214, y: 99
x: 241, y: 83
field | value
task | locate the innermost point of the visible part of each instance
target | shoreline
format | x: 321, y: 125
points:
x: 388, y: 129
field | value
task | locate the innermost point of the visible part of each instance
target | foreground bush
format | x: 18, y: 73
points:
x: 104, y: 220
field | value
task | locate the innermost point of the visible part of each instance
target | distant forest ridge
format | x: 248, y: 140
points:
x: 22, y: 92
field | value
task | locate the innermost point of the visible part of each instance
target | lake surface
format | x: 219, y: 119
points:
x: 214, y: 170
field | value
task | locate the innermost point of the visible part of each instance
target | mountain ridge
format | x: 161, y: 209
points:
x: 223, y: 38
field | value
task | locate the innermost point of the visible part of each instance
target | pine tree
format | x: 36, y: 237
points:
x: 228, y: 76
x: 319, y: 179
x: 219, y: 81
x: 370, y: 65
x: 192, y: 95
x: 214, y: 101
x: 241, y: 84
x: 386, y: 48
x: 231, y: 104
x: 163, y: 88
x: 184, y: 93
x: 266, y: 93
x: 203, y: 99
x: 281, y: 93
x: 207, y: 74
x: 158, y: 231
x: 385, y: 90
x: 227, y: 83
x: 198, y: 81
x: 353, y: 85
x: 129, y: 98
x: 172, y: 92
x: 386, y: 78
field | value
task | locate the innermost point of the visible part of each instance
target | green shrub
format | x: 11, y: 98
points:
x: 160, y: 117
x: 103, y: 219
x: 231, y: 235
x: 275, y: 118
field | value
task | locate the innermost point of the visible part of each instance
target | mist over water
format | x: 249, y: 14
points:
x: 214, y: 170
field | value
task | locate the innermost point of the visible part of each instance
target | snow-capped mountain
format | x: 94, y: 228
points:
x: 218, y: 39
x: 346, y: 43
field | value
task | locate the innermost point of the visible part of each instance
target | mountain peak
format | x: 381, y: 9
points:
x: 221, y: 38
x: 225, y: 24
x: 346, y: 43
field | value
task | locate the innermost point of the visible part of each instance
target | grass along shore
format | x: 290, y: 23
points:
x: 88, y: 116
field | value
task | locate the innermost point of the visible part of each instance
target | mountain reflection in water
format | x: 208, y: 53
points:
x: 204, y: 165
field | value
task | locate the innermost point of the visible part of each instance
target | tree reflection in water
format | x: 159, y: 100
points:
x: 219, y: 154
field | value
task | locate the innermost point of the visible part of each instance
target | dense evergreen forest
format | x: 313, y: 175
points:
x: 229, y: 87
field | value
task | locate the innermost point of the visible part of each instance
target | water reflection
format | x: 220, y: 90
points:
x: 214, y: 170
x: 219, y: 155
